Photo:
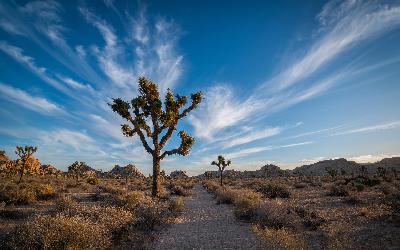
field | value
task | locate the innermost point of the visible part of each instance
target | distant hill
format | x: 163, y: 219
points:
x: 320, y: 168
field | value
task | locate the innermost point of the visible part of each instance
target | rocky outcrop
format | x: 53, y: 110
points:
x: 129, y: 170
x: 178, y: 174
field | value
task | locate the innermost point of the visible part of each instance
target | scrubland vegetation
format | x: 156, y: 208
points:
x: 316, y: 212
x: 90, y: 212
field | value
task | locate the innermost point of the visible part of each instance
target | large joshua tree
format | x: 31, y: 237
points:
x: 24, y: 153
x: 148, y: 107
x: 221, y: 164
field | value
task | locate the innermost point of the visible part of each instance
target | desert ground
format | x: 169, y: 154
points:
x: 280, y: 212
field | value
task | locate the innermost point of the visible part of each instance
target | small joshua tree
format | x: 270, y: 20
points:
x: 222, y: 164
x: 148, y: 107
x: 381, y: 171
x: 77, y: 169
x: 128, y: 172
x: 24, y: 154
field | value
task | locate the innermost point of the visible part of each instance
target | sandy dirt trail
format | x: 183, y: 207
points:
x: 205, y: 225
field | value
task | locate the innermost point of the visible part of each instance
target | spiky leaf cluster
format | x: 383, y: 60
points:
x: 164, y: 117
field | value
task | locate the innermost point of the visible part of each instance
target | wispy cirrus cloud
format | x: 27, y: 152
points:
x: 155, y: 54
x: 253, y: 136
x: 18, y: 55
x: 343, y: 25
x: 35, y: 103
x: 369, y: 129
x: 41, y: 21
x: 220, y: 110
x: 253, y: 150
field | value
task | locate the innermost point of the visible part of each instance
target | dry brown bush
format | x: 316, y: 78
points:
x: 273, y: 190
x: 59, y: 232
x: 280, y: 239
x: 275, y: 214
x: 176, y: 205
x: 246, y: 202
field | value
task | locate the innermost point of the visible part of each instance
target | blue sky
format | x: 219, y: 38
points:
x: 288, y: 82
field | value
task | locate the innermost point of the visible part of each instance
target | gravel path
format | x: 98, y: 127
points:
x: 205, y: 225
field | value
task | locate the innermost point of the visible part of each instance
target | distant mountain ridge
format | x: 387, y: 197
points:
x: 320, y: 168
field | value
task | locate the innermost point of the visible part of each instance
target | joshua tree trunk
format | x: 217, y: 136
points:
x: 220, y: 178
x: 21, y: 174
x: 156, y: 176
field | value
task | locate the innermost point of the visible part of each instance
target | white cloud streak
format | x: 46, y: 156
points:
x: 253, y: 136
x: 35, y: 103
x: 370, y: 129
x: 253, y: 150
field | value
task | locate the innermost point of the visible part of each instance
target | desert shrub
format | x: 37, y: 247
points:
x: 164, y: 195
x: 311, y: 219
x: 129, y: 201
x: 59, y: 232
x: 45, y: 192
x: 65, y: 202
x: 11, y: 193
x: 149, y: 214
x: 110, y: 189
x: 179, y: 190
x: 275, y: 214
x: 339, y: 190
x: 246, y: 202
x: 300, y: 185
x: 176, y: 205
x: 112, y: 218
x: 210, y: 186
x: 359, y: 187
x: 273, y: 190
x: 24, y: 196
x: 92, y: 180
x: 225, y: 195
x: 393, y: 202
x: 280, y: 238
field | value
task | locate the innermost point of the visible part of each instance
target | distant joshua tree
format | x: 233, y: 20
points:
x: 221, y: 164
x: 381, y: 171
x: 77, y: 169
x: 24, y: 154
x: 364, y: 171
x: 148, y: 107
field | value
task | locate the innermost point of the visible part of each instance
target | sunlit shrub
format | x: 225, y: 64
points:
x: 176, y: 205
x: 45, y: 192
x: 246, y: 202
x: 59, y: 232
x: 278, y: 239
